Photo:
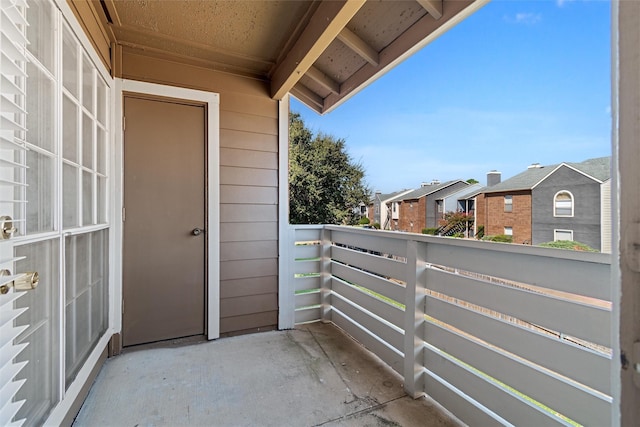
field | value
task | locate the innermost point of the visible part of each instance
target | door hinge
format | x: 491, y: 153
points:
x: 124, y: 123
x: 122, y: 305
x: 123, y: 214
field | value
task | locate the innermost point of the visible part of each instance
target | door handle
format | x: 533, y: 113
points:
x: 197, y: 231
x: 24, y: 282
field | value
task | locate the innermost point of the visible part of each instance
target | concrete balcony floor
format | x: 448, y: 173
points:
x: 314, y: 375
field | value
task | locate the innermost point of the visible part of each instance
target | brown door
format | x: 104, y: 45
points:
x: 164, y: 199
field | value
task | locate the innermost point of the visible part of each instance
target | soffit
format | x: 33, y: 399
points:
x: 320, y: 51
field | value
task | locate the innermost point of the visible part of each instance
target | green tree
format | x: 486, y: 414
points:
x: 325, y: 185
x: 472, y: 181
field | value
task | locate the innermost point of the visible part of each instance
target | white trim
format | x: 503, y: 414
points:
x: 212, y: 100
x: 570, y: 167
x: 62, y: 409
x: 616, y: 275
x: 76, y: 29
x: 286, y: 295
x: 572, y: 204
x: 555, y: 232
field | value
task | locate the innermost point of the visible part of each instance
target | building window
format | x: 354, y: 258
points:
x: 508, y: 231
x: 563, y: 204
x: 562, y: 235
x: 508, y: 203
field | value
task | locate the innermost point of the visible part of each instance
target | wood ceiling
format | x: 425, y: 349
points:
x: 322, y: 52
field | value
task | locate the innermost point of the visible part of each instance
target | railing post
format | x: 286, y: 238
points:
x: 325, y: 274
x: 414, y: 319
x: 286, y: 288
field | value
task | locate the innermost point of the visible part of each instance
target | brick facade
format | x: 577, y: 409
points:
x: 490, y: 212
x: 413, y: 215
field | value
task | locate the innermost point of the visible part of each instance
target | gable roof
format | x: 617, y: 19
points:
x: 424, y: 191
x: 598, y: 169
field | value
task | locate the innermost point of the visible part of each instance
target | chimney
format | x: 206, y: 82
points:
x: 534, y: 166
x: 494, y: 177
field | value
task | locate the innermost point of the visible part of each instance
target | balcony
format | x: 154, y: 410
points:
x: 497, y: 334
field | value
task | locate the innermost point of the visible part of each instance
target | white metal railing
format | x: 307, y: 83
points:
x: 498, y: 334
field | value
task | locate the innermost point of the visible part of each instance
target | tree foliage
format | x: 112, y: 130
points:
x: 325, y: 185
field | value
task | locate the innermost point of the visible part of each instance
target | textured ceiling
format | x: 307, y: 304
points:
x: 320, y: 51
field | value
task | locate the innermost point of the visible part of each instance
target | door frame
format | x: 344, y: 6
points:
x: 211, y: 101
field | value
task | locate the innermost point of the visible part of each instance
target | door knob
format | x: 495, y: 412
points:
x: 24, y: 282
x: 197, y: 231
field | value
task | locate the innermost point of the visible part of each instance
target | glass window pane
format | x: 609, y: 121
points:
x: 70, y: 63
x: 40, y: 191
x: 87, y: 198
x: 41, y: 389
x: 40, y: 108
x: 40, y: 31
x: 87, y: 141
x: 87, y: 309
x: 70, y: 130
x: 102, y: 101
x: 87, y: 84
x: 69, y: 196
x: 102, y: 200
x: 101, y: 150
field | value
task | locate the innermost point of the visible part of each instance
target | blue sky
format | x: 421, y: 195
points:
x: 519, y: 82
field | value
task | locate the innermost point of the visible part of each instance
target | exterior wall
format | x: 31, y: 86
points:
x: 495, y: 219
x: 371, y: 212
x: 431, y: 209
x: 585, y: 222
x: 412, y: 215
x: 248, y: 188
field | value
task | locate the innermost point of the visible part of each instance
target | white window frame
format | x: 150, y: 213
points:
x: 508, y: 231
x: 555, y: 200
x: 556, y: 231
x: 508, y: 201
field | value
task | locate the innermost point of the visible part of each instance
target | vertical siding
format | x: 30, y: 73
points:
x: 248, y: 188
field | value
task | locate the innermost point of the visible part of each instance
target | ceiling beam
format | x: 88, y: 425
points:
x: 323, y: 80
x: 308, y: 96
x: 359, y: 46
x: 434, y: 7
x: 326, y: 23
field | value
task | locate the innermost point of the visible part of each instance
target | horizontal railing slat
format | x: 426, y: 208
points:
x: 306, y: 252
x: 388, y: 312
x: 306, y: 267
x: 308, y: 233
x: 371, y: 263
x: 370, y: 240
x: 463, y: 407
x: 372, y: 342
x: 377, y: 284
x: 391, y: 336
x: 582, y: 406
x: 586, y: 322
x: 307, y: 299
x: 514, y: 409
x: 307, y: 315
x: 588, y: 278
x: 306, y: 283
x: 583, y: 365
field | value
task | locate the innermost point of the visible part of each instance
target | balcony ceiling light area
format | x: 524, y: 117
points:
x: 320, y: 51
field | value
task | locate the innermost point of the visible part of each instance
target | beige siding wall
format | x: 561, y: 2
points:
x: 248, y: 187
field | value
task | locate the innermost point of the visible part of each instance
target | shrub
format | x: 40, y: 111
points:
x: 376, y: 225
x: 364, y: 221
x: 569, y: 245
x: 502, y: 238
x: 480, y: 233
x: 431, y: 231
